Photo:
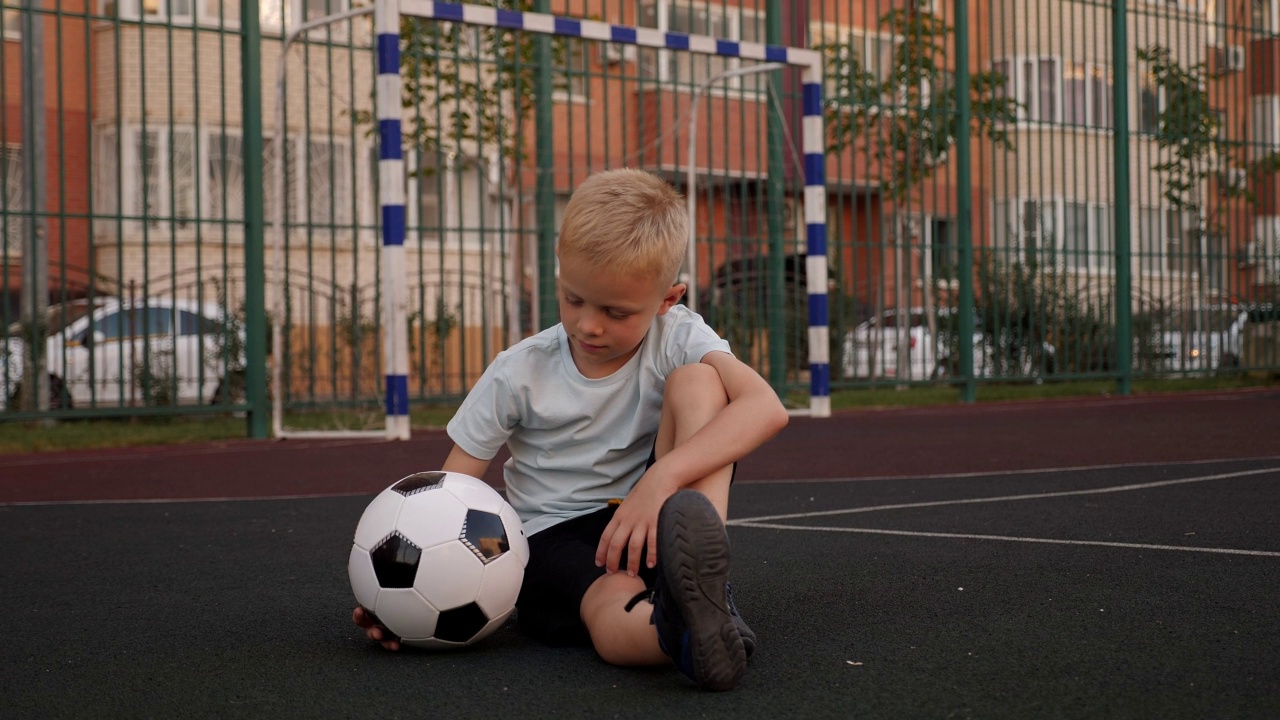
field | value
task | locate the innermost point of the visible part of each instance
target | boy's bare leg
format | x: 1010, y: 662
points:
x: 693, y: 396
x: 621, y: 637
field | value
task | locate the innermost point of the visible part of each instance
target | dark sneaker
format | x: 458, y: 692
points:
x: 748, y: 636
x: 691, y: 610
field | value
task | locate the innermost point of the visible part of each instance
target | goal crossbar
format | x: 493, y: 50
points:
x: 391, y: 198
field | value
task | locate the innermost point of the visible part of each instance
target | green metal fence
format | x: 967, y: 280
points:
x: 1019, y: 191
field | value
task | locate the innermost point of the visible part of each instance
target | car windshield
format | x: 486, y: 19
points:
x: 57, y: 317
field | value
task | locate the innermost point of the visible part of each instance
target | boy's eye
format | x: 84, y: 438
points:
x: 618, y: 315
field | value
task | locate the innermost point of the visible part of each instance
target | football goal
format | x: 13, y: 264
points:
x: 659, y: 132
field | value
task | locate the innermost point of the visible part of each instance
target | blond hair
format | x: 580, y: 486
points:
x: 627, y: 221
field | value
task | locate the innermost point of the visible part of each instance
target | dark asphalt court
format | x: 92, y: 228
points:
x: 1109, y: 558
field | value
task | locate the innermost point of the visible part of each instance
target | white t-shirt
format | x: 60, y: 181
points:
x: 575, y: 442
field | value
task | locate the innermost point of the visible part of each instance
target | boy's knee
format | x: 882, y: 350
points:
x: 696, y: 381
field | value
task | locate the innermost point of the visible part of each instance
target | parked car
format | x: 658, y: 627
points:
x: 110, y: 352
x: 872, y: 349
x: 1201, y: 339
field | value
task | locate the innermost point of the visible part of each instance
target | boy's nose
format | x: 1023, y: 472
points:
x: 590, y: 324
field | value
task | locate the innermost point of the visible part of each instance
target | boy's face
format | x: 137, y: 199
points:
x: 606, y: 314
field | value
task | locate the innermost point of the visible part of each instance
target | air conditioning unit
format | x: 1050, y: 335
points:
x: 1234, y: 58
x: 613, y: 53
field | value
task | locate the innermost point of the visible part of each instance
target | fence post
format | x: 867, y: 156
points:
x: 964, y: 204
x: 548, y: 308
x: 255, y: 276
x: 1124, y: 264
x: 774, y: 292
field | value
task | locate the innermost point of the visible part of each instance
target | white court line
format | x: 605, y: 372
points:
x: 1009, y: 538
x: 179, y: 501
x: 1023, y: 471
x: 1003, y: 498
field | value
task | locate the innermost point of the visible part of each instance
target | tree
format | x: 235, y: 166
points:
x: 909, y: 120
x: 1189, y: 135
x: 469, y: 89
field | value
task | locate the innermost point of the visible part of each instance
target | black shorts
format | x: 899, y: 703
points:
x: 562, y: 566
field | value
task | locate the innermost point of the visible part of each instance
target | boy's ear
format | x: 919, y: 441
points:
x: 672, y: 297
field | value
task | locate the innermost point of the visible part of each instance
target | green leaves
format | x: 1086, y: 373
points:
x: 907, y: 117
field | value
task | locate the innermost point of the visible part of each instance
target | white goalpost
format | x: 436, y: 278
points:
x: 391, y: 201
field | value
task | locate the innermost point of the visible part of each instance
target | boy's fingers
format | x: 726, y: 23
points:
x: 634, y: 549
x: 602, y: 549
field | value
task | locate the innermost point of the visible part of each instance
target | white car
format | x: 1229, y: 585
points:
x: 874, y: 349
x: 110, y: 353
x: 1201, y: 339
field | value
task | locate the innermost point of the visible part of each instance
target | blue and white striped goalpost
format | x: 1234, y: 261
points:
x: 391, y: 199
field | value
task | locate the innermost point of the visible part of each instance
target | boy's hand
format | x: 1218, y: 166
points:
x: 376, y: 632
x: 634, y: 528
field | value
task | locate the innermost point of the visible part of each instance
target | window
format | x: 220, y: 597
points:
x: 1036, y: 83
x: 155, y: 10
x: 1167, y: 241
x: 572, y: 83
x: 160, y: 173
x: 856, y: 49
x: 690, y: 68
x: 425, y: 190
x: 12, y: 19
x: 1264, y: 16
x: 944, y: 248
x: 328, y: 166
x: 1025, y: 230
x: 153, y: 176
x: 1151, y: 102
x: 1215, y: 262
x: 1264, y: 132
x: 273, y: 15
x: 13, y: 200
x: 271, y: 155
x: 226, y: 177
x: 1215, y: 13
x: 1086, y: 95
x: 1074, y: 234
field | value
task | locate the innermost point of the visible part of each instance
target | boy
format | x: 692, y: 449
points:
x: 624, y: 423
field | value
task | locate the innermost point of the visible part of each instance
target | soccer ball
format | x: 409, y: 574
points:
x: 439, y: 558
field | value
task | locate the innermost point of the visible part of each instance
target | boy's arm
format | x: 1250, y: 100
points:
x: 753, y: 416
x: 459, y: 461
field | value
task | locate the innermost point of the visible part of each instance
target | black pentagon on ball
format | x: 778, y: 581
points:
x: 395, y: 561
x: 461, y: 623
x: 485, y: 534
x: 419, y: 482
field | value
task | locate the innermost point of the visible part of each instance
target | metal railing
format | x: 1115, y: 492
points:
x: 1027, y: 191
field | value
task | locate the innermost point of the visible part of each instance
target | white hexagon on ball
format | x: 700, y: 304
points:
x: 448, y: 575
x: 431, y: 518
x: 501, y: 585
x: 378, y: 519
x: 364, y: 582
x: 475, y: 494
x: 406, y: 613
